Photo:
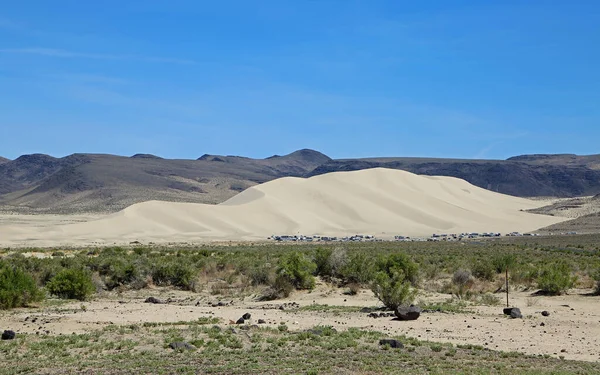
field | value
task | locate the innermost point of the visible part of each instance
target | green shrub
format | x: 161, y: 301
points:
x: 338, y: 260
x: 463, y: 281
x: 176, y: 273
x: 117, y: 272
x: 359, y: 269
x: 400, y: 262
x: 484, y: 270
x: 260, y: 275
x: 555, y: 278
x: 322, y: 261
x: 393, y: 291
x: 71, y: 284
x: 17, y: 288
x: 298, y: 270
x: 525, y: 274
x: 502, y: 262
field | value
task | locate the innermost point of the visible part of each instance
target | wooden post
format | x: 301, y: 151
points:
x: 507, y: 305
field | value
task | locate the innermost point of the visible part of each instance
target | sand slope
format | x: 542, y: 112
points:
x: 382, y: 202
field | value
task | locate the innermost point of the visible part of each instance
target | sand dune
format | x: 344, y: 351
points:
x: 382, y: 202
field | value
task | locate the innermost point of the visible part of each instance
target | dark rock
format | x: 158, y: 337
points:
x: 246, y: 316
x: 373, y: 315
x: 392, y: 343
x: 154, y: 300
x: 261, y: 321
x: 180, y: 345
x: 8, y: 335
x: 240, y: 321
x: 545, y: 313
x: 542, y: 324
x: 513, y: 312
x: 408, y: 313
x: 516, y: 313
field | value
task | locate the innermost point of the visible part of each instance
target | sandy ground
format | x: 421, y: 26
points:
x: 572, y: 330
x: 380, y: 202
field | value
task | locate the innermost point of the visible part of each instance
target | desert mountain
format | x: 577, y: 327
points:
x: 381, y: 202
x: 523, y: 176
x: 108, y: 183
x: 3, y: 160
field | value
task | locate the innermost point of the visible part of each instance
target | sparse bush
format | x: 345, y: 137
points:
x: 281, y: 288
x: 489, y: 299
x: 556, y: 278
x: 175, y: 273
x: 463, y: 281
x: 353, y: 289
x: 260, y: 275
x: 338, y: 260
x: 393, y: 291
x: 298, y: 270
x: 400, y: 262
x: 503, y: 262
x: 322, y: 260
x: 596, y: 276
x: 484, y: 270
x: 118, y: 271
x: 17, y: 288
x: 525, y: 274
x: 71, y: 284
x: 359, y: 269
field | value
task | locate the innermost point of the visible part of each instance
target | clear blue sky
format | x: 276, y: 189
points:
x: 178, y: 78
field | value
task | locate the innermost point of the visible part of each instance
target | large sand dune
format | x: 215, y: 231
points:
x: 382, y: 202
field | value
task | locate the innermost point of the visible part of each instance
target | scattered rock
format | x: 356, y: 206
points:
x: 154, y: 300
x: 246, y: 316
x: 513, y: 312
x: 261, y: 321
x: 8, y: 335
x: 240, y: 321
x: 392, y: 343
x: 408, y: 313
x: 545, y: 313
x: 181, y: 345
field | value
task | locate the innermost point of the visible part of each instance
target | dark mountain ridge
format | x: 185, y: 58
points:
x: 106, y: 183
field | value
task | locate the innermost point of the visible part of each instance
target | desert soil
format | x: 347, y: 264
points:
x: 572, y: 330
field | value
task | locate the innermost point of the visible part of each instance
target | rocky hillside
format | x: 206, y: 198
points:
x: 516, y: 176
x: 107, y: 183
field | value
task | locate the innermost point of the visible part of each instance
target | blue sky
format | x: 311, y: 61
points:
x: 470, y: 79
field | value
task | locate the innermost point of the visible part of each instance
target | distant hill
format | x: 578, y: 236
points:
x: 520, y: 176
x: 106, y: 183
x: 3, y: 160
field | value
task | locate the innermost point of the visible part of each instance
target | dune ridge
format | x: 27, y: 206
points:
x: 381, y: 202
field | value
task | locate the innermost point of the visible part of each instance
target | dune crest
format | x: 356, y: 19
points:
x: 381, y: 202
